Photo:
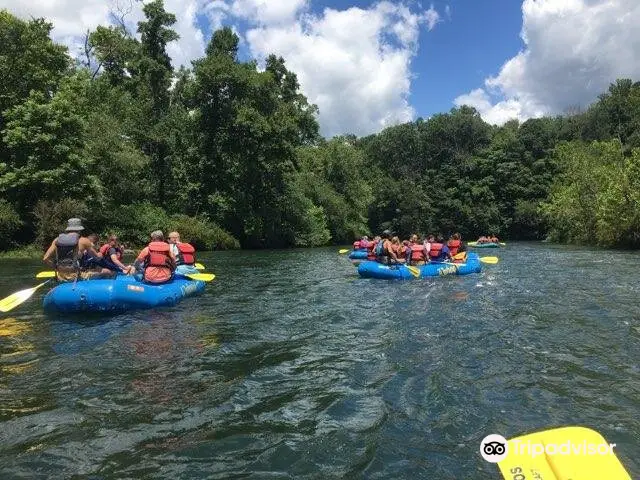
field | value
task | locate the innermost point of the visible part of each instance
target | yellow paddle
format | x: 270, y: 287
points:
x: 489, y: 260
x: 415, y: 271
x: 199, y: 266
x: 562, y: 454
x: 342, y: 251
x: 205, y: 277
x: 46, y: 274
x: 15, y: 299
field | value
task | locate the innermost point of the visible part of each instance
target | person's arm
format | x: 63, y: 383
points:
x: 173, y: 258
x: 114, y: 258
x: 50, y: 251
x: 140, y: 258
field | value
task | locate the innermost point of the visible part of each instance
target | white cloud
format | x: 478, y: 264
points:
x: 573, y: 50
x: 268, y: 11
x: 72, y: 18
x: 354, y: 64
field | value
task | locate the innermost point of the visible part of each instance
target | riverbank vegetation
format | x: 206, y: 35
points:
x: 229, y: 153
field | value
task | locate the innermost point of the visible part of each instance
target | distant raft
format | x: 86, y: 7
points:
x: 360, y: 254
x: 484, y: 245
x: 370, y: 269
x: 118, y: 295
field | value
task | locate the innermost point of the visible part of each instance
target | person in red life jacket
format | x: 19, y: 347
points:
x: 364, y: 243
x: 66, y: 254
x: 156, y: 260
x: 456, y: 246
x: 483, y: 239
x: 112, y: 256
x: 184, y: 253
x: 417, y: 252
x: 439, y: 251
x: 371, y: 249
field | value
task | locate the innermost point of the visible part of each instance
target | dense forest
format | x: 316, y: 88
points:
x: 229, y: 153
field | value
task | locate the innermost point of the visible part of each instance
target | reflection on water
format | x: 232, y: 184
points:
x: 291, y: 366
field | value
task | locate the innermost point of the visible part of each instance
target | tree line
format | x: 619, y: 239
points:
x: 230, y: 154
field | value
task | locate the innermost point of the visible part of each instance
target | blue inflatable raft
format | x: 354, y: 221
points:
x: 371, y: 269
x: 360, y: 254
x: 117, y: 295
x: 484, y: 245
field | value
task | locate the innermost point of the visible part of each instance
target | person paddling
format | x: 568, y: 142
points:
x: 156, y: 261
x: 112, y: 256
x: 66, y: 252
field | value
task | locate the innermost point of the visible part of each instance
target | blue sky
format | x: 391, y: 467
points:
x: 459, y: 53
x: 369, y: 65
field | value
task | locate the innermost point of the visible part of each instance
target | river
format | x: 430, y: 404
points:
x: 291, y: 366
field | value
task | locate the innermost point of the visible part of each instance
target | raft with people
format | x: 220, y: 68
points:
x: 91, y: 280
x: 372, y: 269
x: 484, y: 245
x: 119, y: 294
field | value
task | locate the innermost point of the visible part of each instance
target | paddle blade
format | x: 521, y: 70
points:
x: 205, y: 277
x: 415, y: 271
x: 460, y: 256
x: 342, y: 251
x: 573, y: 463
x: 49, y: 274
x: 199, y: 266
x: 15, y: 299
x: 489, y: 260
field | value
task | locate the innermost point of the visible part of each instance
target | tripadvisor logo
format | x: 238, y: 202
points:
x: 494, y: 448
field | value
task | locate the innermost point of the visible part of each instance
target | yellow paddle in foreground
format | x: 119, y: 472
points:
x: 567, y: 453
x: 15, y: 299
x: 342, y: 251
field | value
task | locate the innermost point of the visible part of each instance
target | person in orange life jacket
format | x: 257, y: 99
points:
x: 156, y: 261
x: 66, y: 254
x: 439, y: 251
x: 184, y: 253
x: 416, y: 254
x: 112, y: 256
x: 493, y: 239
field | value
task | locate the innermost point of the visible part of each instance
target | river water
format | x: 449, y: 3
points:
x: 291, y: 366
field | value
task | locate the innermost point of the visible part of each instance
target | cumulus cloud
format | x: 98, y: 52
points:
x: 72, y: 18
x: 355, y: 64
x: 573, y: 50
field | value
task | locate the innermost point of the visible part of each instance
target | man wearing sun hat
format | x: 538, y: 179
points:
x: 65, y: 253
